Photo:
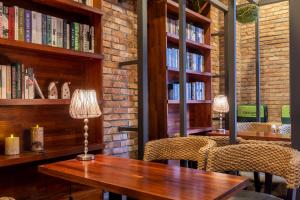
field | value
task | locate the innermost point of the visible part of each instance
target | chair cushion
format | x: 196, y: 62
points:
x: 249, y: 195
x: 275, y: 179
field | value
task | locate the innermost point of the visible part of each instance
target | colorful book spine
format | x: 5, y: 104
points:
x: 65, y: 34
x: 11, y: 23
x: 8, y: 82
x: 34, y: 26
x: 16, y: 16
x: 80, y: 35
x: 18, y: 81
x: 5, y: 22
x: 49, y: 30
x: 76, y: 25
x: 13, y: 81
x: 28, y: 26
x: 68, y: 36
x: 39, y: 28
x: 72, y: 37
x: 1, y: 22
x: 54, y: 31
x: 3, y: 69
x: 21, y: 27
x: 44, y: 29
x: 60, y: 28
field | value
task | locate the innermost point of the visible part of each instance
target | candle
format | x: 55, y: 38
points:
x: 12, y: 145
x: 37, y: 138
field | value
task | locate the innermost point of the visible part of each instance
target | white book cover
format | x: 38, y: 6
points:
x: 26, y: 86
x: 39, y: 28
x: 16, y: 23
x: 33, y: 27
x: 3, y: 82
x: 68, y: 36
x: 1, y: 22
x: 54, y: 31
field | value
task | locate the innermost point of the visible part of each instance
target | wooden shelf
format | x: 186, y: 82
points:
x: 44, y: 49
x: 190, y: 102
x: 191, y: 73
x: 189, y: 44
x: 32, y: 102
x: 190, y: 15
x: 70, y: 5
x: 28, y: 157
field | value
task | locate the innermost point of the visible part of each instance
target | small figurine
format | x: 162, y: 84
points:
x: 52, y: 91
x: 65, y: 91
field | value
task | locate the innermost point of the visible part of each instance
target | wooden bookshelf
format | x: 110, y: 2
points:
x: 63, y: 136
x: 164, y: 114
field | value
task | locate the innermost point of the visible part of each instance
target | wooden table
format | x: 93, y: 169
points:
x: 251, y: 135
x: 146, y: 180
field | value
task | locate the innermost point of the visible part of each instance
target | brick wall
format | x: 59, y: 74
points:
x: 274, y: 37
x: 120, y: 84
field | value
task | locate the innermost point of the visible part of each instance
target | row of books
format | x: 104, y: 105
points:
x: 25, y: 25
x: 193, y: 33
x: 86, y: 2
x: 17, y: 82
x: 194, y: 61
x: 194, y: 91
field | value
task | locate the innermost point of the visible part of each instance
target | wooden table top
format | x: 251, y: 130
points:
x: 146, y: 180
x: 251, y: 135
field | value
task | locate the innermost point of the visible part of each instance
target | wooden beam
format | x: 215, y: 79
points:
x: 267, y: 2
x: 218, y: 4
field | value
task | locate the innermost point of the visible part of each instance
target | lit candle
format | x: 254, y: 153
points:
x: 37, y: 138
x: 12, y: 145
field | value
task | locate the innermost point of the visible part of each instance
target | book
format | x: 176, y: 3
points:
x: 28, y: 33
x: 44, y: 29
x: 92, y: 41
x: 16, y: 18
x: 54, y: 31
x: 72, y: 37
x: 31, y: 87
x: 76, y: 31
x: 60, y: 28
x: 1, y: 22
x: 8, y: 82
x: 39, y: 28
x: 18, y: 81
x: 38, y: 89
x: 65, y: 34
x: 86, y: 38
x: 14, y: 81
x: 34, y: 27
x: 5, y: 22
x: 49, y: 30
x: 21, y: 26
x: 3, y: 91
x: 68, y: 36
x: 80, y: 39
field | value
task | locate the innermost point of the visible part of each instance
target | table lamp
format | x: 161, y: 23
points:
x: 84, y: 105
x: 221, y: 105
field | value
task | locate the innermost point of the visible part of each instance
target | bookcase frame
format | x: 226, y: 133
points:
x: 164, y: 114
x: 63, y: 135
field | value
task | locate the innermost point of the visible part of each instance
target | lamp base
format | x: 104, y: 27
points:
x: 85, y: 157
x: 221, y: 130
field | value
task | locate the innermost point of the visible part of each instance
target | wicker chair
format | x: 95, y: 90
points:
x: 222, y: 140
x: 273, y: 159
x: 254, y: 126
x: 180, y: 148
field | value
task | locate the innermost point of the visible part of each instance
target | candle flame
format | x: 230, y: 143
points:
x: 37, y: 126
x: 11, y: 135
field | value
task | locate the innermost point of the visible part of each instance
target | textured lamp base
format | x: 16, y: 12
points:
x: 85, y: 157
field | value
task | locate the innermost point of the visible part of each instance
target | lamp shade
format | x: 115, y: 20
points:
x: 84, y: 105
x: 220, y: 104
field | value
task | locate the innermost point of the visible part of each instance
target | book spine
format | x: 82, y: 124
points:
x: 19, y: 84
x: 11, y: 23
x: 60, y: 30
x: 49, y: 30
x: 5, y: 22
x: 44, y: 29
x: 80, y: 37
x: 68, y: 36
x: 3, y: 82
x: 85, y: 38
x: 39, y: 28
x: 76, y: 36
x: 65, y: 35
x: 13, y: 81
x: 8, y: 82
x: 23, y: 81
x: 21, y: 24
x: 93, y: 39
x: 26, y: 85
x: 31, y: 93
x: 28, y: 25
x: 54, y: 31
x: 1, y: 19
x: 72, y: 37
x: 33, y: 27
x: 16, y: 15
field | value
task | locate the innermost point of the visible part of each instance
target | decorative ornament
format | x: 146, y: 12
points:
x: 52, y: 91
x: 65, y: 91
x: 247, y: 13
